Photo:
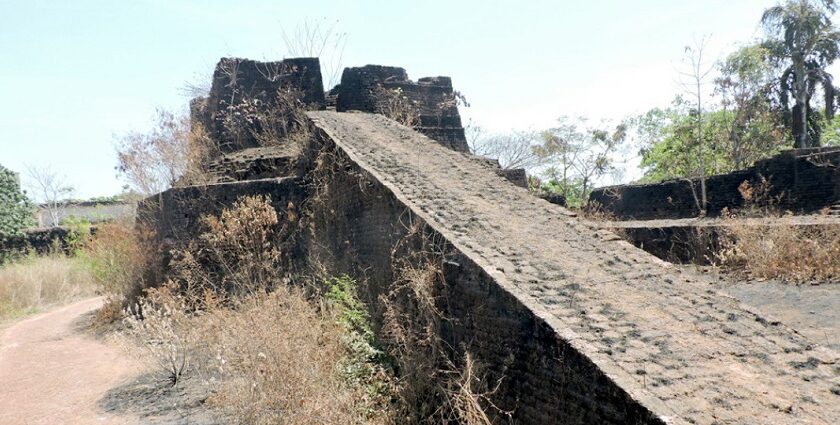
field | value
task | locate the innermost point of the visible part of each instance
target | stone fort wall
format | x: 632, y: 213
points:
x: 802, y: 181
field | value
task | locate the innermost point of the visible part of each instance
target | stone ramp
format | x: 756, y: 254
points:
x: 682, y: 350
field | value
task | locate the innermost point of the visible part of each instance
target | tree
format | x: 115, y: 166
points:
x: 694, y: 80
x: 512, y: 150
x: 16, y: 211
x: 573, y: 156
x: 745, y: 83
x: 804, y: 43
x: 52, y: 190
x: 172, y: 152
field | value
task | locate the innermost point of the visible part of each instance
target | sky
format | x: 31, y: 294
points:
x: 76, y: 75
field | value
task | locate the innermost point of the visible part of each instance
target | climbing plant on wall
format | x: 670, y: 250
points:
x: 16, y: 211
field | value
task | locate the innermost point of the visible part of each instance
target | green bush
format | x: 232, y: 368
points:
x: 16, y: 211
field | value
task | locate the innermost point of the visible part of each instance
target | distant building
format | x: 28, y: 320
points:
x: 93, y: 211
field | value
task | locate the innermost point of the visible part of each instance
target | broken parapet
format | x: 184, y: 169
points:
x: 433, y: 97
x: 243, y: 88
x: 802, y: 181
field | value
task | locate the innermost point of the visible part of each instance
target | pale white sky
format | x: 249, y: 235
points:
x: 74, y: 74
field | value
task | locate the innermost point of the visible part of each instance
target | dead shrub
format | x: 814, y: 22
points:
x: 123, y: 262
x: 394, y: 104
x: 773, y: 246
x: 438, y: 383
x: 237, y: 253
x: 172, y: 153
x: 781, y: 250
x: 268, y: 354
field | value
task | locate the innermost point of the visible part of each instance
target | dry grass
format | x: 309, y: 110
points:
x: 267, y: 352
x: 268, y: 358
x: 34, y: 283
x: 122, y: 260
x: 778, y: 250
x: 782, y: 251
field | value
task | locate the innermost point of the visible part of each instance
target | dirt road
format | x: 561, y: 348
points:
x: 53, y: 373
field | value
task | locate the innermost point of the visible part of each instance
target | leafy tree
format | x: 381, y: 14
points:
x: 16, y: 211
x: 667, y: 140
x: 573, y: 156
x: 745, y: 83
x: 803, y: 42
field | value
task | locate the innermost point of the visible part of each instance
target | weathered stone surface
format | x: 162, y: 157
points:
x: 800, y: 180
x: 242, y: 87
x: 175, y: 215
x: 255, y: 163
x: 433, y: 98
x: 581, y: 326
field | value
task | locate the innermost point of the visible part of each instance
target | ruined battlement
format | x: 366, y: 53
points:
x: 432, y: 97
x: 243, y: 89
x: 803, y: 181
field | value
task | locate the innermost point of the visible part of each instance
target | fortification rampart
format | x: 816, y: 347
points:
x: 581, y: 327
x: 801, y: 181
x: 570, y: 323
x: 432, y: 98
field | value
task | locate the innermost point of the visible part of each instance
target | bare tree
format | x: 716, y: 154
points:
x: 693, y: 80
x: 319, y: 39
x: 171, y: 153
x: 512, y: 150
x: 52, y: 190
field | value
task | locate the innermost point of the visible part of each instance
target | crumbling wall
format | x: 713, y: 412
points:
x: 432, y: 97
x: 174, y: 216
x: 39, y: 241
x: 802, y: 181
x: 243, y: 88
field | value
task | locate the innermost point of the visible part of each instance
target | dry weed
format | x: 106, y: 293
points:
x: 123, y: 261
x: 33, y: 283
x: 237, y: 253
x: 776, y: 248
x: 270, y: 357
x: 395, y: 105
x: 781, y: 250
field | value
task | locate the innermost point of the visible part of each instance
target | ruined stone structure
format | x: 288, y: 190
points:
x: 800, y: 180
x: 662, y: 218
x: 42, y: 240
x: 576, y: 325
x: 243, y: 89
x: 433, y: 98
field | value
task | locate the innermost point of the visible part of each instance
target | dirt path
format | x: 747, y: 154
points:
x: 51, y: 372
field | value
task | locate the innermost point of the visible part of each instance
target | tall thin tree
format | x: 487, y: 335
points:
x: 804, y: 41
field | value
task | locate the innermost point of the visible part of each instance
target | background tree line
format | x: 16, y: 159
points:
x: 767, y: 95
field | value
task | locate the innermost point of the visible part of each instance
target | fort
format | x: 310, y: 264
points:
x: 575, y: 324
x: 666, y: 220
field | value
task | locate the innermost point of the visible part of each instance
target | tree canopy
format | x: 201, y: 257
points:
x: 16, y: 211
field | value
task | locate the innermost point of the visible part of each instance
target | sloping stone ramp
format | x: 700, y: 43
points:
x: 677, y: 347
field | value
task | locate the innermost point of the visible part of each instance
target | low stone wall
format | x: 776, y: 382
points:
x: 39, y: 241
x: 802, y: 181
x: 175, y: 215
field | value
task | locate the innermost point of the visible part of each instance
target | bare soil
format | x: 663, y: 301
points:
x: 52, y: 372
